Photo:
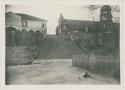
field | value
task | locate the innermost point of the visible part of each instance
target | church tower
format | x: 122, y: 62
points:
x: 61, y: 23
x: 106, y: 19
x: 61, y: 18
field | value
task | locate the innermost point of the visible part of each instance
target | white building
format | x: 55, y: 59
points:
x: 13, y: 20
x: 25, y: 22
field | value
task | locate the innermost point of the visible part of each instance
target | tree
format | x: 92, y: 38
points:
x: 93, y: 8
x: 115, y: 8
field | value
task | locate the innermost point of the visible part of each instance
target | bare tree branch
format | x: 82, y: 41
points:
x: 95, y: 7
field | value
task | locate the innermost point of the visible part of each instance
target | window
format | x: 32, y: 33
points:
x: 43, y: 25
x: 105, y: 12
x: 86, y: 29
x: 25, y: 24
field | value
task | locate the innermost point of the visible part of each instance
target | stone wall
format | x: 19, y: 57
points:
x: 107, y: 40
x: 87, y: 40
x: 96, y: 40
x: 23, y: 38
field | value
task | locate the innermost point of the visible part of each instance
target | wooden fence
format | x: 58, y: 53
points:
x: 96, y: 63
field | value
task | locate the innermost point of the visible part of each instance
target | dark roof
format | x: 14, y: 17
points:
x: 80, y: 22
x: 29, y: 17
x: 106, y: 7
x: 9, y: 13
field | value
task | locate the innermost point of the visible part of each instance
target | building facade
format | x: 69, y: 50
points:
x: 25, y: 22
x: 13, y: 20
x: 68, y: 27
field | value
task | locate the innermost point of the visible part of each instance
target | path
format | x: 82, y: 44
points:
x: 55, y: 71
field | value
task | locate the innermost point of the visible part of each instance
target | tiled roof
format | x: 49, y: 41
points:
x: 80, y: 22
x: 29, y: 17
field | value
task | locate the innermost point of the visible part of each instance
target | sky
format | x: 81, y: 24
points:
x: 52, y: 12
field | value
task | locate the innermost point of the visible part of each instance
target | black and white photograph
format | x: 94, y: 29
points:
x: 62, y: 44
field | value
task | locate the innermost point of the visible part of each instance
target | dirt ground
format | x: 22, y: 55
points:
x: 55, y: 71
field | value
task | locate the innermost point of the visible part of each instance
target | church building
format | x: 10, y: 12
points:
x: 68, y: 27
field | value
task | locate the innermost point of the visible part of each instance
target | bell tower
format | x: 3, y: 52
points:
x: 61, y: 18
x: 106, y: 19
x: 61, y: 24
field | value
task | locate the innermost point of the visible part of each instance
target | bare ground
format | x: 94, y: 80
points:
x: 55, y: 71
